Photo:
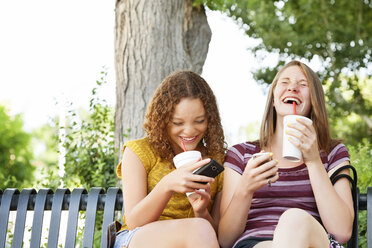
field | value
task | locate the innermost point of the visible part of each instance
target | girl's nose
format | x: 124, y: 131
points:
x: 189, y: 130
x: 293, y: 86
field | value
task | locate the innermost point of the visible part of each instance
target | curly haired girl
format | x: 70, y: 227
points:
x: 182, y: 114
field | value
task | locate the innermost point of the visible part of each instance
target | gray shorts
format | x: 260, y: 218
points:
x: 124, y: 237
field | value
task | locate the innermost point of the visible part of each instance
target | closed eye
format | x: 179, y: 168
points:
x: 284, y: 81
x: 200, y: 121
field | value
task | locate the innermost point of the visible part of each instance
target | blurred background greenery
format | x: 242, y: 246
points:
x: 30, y: 160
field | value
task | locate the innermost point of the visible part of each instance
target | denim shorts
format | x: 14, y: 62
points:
x: 124, y: 237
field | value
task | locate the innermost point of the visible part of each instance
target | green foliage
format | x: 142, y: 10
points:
x: 45, y: 143
x: 335, y: 33
x: 9, y: 234
x: 328, y: 29
x: 90, y: 152
x: 48, y: 178
x: 361, y: 159
x: 353, y: 126
x: 16, y: 170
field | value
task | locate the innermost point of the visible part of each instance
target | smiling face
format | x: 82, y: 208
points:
x: 292, y: 86
x: 304, y: 87
x: 188, y: 124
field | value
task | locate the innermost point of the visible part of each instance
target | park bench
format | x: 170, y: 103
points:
x: 62, y: 199
x: 110, y: 202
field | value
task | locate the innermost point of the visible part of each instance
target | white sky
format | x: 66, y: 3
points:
x: 56, y: 49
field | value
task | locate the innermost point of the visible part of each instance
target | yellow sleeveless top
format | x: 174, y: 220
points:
x: 178, y: 206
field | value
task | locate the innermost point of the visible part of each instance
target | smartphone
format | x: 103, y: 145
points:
x: 212, y: 169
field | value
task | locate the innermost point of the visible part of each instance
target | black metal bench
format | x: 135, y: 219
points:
x: 96, y: 200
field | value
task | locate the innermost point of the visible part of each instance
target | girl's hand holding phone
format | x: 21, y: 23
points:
x: 199, y: 200
x: 261, y: 170
x: 183, y: 180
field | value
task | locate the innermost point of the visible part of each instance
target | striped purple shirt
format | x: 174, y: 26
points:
x: 292, y: 190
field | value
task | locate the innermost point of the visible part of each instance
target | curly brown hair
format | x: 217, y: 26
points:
x: 178, y: 85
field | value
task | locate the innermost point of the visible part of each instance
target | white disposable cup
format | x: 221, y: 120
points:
x: 290, y: 152
x: 184, y: 158
x: 187, y: 157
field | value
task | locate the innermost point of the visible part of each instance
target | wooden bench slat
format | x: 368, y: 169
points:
x: 90, y: 221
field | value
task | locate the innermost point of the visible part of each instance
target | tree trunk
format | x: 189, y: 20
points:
x: 152, y: 39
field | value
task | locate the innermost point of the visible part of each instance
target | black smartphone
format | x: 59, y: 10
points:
x: 212, y: 169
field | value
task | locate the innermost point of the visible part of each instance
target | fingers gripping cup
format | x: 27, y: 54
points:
x: 290, y: 152
x: 184, y: 158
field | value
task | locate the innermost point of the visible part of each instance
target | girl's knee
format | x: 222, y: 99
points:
x: 201, y: 225
x: 295, y: 218
x: 203, y: 232
x: 298, y: 228
x: 295, y: 213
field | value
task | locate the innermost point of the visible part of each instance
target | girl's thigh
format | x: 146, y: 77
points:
x: 264, y: 244
x: 190, y: 232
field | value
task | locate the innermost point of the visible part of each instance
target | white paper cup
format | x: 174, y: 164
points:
x: 186, y: 158
x: 290, y: 152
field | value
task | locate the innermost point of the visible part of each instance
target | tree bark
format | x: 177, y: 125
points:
x: 152, y: 39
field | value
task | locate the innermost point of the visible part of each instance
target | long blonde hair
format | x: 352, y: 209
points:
x: 318, y: 111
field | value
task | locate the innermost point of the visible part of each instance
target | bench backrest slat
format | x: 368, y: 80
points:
x: 73, y: 215
x: 91, y: 211
x: 108, y: 213
x: 37, y: 223
x: 19, y: 228
x: 6, y: 200
x: 55, y: 218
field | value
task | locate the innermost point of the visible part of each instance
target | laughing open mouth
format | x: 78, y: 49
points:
x: 291, y: 100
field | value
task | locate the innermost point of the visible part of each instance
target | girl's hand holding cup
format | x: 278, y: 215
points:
x: 299, y: 139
